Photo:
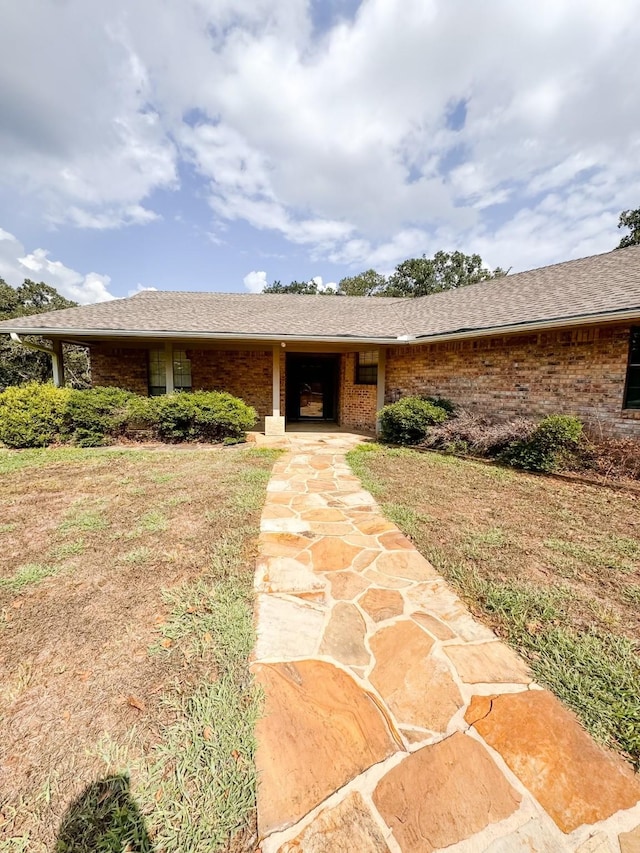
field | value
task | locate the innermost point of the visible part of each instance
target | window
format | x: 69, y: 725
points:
x: 367, y: 368
x: 632, y: 393
x: 158, y: 372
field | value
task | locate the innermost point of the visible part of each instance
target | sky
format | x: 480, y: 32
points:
x: 224, y: 144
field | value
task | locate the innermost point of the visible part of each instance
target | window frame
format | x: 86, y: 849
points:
x: 180, y: 358
x: 366, y: 367
x: 633, y: 368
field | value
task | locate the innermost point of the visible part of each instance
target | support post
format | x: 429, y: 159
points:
x: 57, y: 364
x: 382, y: 364
x: 168, y: 364
x: 274, y: 423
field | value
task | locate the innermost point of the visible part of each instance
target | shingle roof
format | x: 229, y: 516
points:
x: 594, y: 286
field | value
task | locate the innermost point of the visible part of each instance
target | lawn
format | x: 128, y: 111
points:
x: 126, y: 705
x: 553, y: 566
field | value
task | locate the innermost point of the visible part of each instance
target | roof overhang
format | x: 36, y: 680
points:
x: 85, y: 336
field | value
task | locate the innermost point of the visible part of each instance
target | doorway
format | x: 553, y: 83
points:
x: 312, y: 387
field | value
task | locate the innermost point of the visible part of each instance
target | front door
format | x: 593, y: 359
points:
x: 311, y: 387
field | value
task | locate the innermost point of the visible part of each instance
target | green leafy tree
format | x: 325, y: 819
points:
x: 306, y: 288
x: 444, y: 271
x: 19, y: 364
x: 368, y: 283
x: 630, y: 219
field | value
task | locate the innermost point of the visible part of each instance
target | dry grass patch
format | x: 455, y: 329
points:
x: 553, y: 566
x: 125, y: 628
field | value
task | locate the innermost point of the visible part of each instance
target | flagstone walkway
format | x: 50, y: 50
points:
x: 395, y: 722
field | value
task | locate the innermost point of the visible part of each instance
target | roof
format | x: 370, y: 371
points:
x: 596, y: 287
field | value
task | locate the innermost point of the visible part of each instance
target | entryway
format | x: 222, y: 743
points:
x: 312, y: 387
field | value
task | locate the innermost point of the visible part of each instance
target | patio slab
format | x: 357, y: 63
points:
x: 394, y: 720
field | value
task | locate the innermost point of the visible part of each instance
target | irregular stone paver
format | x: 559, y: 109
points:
x: 287, y: 628
x: 286, y: 575
x: 344, y: 636
x: 347, y: 585
x: 382, y: 604
x: 405, y: 564
x: 418, y: 689
x: 534, y: 837
x: 489, y: 662
x: 401, y: 651
x: 574, y: 779
x: 442, y: 794
x: 630, y: 841
x: 347, y: 828
x: 434, y: 626
x: 319, y: 731
x: 330, y: 554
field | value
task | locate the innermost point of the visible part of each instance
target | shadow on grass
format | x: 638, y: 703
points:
x: 103, y: 819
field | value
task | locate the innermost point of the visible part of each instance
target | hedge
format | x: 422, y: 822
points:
x: 37, y: 415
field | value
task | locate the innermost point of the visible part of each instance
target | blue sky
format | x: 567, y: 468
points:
x: 224, y: 144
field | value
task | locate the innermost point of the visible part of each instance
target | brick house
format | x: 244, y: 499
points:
x: 561, y: 339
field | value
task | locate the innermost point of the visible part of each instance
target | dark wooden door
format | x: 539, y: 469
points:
x: 312, y: 384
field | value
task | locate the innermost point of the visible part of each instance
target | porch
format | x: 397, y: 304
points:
x: 293, y: 386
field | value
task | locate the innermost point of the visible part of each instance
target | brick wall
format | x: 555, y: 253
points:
x: 121, y: 367
x: 580, y: 371
x: 245, y: 374
x: 357, y: 403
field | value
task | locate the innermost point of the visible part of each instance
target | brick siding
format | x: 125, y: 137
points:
x: 357, y: 403
x: 580, y: 371
x: 571, y: 371
x: 245, y: 374
x: 120, y: 367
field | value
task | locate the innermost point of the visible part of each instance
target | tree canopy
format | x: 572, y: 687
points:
x: 630, y: 219
x: 306, y: 288
x: 19, y: 364
x: 413, y: 277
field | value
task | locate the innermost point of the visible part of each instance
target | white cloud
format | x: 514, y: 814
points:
x: 16, y: 265
x: 140, y: 288
x: 255, y: 281
x: 339, y: 141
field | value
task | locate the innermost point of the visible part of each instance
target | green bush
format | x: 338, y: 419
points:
x: 408, y: 420
x: 32, y: 415
x: 97, y: 415
x: 36, y: 415
x: 201, y: 416
x: 554, y: 440
x: 442, y: 403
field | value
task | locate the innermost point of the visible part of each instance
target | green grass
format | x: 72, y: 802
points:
x: 85, y: 521
x: 31, y: 573
x: 553, y: 567
x: 68, y: 549
x: 153, y: 522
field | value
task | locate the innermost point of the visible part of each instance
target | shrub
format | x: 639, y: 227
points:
x: 442, y: 403
x: 32, y: 415
x: 554, y: 440
x: 95, y: 416
x: 200, y: 416
x: 408, y: 420
x: 36, y: 415
x: 479, y: 436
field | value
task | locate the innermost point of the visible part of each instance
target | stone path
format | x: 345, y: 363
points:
x: 395, y: 722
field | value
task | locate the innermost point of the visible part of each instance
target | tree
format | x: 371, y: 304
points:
x: 368, y: 283
x: 630, y: 219
x: 19, y: 364
x: 306, y: 288
x: 445, y: 271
